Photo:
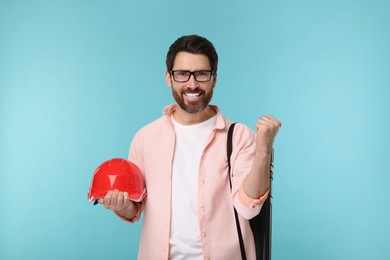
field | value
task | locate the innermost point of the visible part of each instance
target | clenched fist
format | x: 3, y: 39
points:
x: 267, y: 128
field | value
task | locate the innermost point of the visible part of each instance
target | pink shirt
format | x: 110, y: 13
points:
x: 152, y: 151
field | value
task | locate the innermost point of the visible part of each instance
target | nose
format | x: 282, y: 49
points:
x: 192, y: 83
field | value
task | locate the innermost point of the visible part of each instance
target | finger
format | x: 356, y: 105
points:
x: 126, y: 200
x: 266, y: 118
x: 274, y: 121
x: 119, y: 202
x: 268, y: 121
x: 114, y: 199
x: 107, y: 199
x: 265, y: 125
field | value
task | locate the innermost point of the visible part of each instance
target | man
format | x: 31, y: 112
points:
x: 188, y: 212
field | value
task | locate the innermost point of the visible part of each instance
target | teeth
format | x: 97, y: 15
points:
x: 192, y: 94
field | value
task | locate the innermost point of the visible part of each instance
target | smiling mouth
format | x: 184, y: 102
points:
x: 192, y: 95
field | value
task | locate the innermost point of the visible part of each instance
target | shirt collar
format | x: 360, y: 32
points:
x: 219, y: 123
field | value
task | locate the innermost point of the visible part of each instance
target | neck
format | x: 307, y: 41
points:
x: 185, y: 118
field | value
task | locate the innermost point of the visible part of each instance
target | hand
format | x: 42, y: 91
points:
x: 117, y: 201
x: 267, y: 128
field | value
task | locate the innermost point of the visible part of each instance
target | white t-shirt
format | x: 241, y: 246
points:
x: 185, y: 233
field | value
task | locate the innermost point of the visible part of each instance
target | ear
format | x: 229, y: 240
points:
x: 214, y: 80
x: 168, y: 79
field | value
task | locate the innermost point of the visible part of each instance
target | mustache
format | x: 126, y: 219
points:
x: 190, y: 90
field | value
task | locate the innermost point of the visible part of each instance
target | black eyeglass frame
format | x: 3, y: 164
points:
x: 192, y: 73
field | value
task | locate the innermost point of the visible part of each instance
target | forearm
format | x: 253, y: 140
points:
x: 257, y: 181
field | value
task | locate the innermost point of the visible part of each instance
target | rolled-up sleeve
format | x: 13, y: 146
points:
x: 249, y: 201
x: 247, y: 206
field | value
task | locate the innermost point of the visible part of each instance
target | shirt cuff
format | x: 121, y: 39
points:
x: 137, y: 216
x: 249, y: 201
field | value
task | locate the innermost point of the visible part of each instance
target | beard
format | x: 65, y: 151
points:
x: 193, y: 107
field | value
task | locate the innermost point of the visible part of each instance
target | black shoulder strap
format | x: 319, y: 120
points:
x: 229, y: 149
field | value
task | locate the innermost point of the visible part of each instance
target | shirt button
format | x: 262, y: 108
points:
x: 202, y: 209
x: 203, y: 157
x: 204, y: 235
x: 202, y: 182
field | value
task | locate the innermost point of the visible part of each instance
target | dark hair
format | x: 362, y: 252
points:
x: 193, y: 44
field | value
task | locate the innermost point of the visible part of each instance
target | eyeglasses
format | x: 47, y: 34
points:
x: 185, y: 75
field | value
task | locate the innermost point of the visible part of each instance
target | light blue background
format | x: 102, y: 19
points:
x: 79, y: 78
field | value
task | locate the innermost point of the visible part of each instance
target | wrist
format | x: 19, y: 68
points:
x: 263, y: 153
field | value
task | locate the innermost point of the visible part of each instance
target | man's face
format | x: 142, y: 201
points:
x: 192, y: 96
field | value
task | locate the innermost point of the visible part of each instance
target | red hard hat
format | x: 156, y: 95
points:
x: 117, y: 174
